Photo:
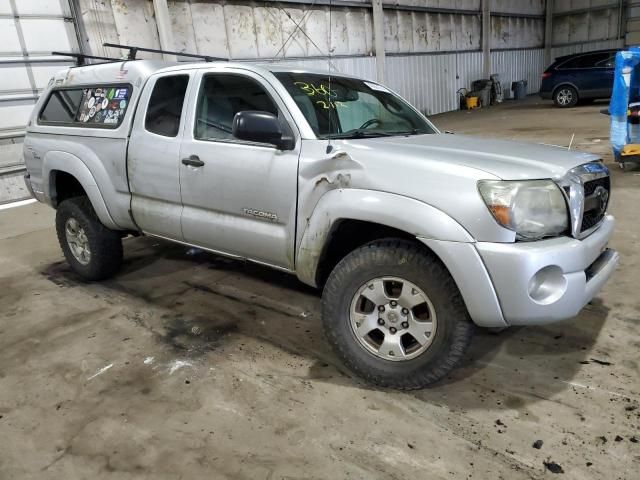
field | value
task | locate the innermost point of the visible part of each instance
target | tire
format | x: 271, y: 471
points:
x: 104, y: 246
x: 419, y: 271
x: 565, y: 96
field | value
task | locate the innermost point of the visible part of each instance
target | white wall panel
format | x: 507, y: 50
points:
x: 14, y: 78
x: 513, y: 32
x: 44, y: 35
x: 296, y: 46
x: 9, y: 40
x: 586, y: 26
x: 28, y: 35
x: 135, y: 24
x: 15, y: 114
x: 529, y: 7
x: 182, y: 26
x: 5, y: 7
x: 210, y: 29
x: 42, y: 7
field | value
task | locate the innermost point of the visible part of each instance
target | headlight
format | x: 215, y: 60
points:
x: 533, y: 209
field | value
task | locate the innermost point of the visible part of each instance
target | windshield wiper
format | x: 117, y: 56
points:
x: 360, y: 134
x: 414, y: 131
x: 373, y: 134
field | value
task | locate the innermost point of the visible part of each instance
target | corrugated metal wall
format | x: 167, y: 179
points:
x: 430, y: 54
x: 587, y: 46
x: 431, y: 82
x: 519, y: 65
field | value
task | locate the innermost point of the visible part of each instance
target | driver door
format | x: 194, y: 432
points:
x: 239, y: 197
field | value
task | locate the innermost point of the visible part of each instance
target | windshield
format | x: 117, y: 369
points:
x: 339, y: 107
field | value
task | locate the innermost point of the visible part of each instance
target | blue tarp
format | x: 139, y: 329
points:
x: 626, y: 90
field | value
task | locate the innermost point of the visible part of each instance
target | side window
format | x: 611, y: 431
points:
x: 221, y: 97
x: 165, y: 105
x: 571, y: 63
x: 96, y: 106
x: 62, y: 106
x: 589, y: 60
x: 609, y: 62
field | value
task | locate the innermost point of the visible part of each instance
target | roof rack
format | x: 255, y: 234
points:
x: 81, y: 57
x: 133, y: 51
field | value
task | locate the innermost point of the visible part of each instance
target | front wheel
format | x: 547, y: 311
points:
x: 93, y: 251
x: 565, y: 96
x: 394, y: 315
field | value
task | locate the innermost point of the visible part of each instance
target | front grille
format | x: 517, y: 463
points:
x: 590, y: 187
x: 596, y: 200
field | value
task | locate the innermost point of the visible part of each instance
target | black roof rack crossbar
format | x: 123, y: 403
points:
x: 81, y: 57
x: 133, y: 51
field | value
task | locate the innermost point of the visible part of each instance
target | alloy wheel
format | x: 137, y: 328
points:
x: 393, y: 319
x: 77, y: 241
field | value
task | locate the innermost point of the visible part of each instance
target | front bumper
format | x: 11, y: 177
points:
x: 549, y: 280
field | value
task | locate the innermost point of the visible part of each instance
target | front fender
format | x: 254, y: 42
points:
x: 403, y: 213
x: 68, y: 163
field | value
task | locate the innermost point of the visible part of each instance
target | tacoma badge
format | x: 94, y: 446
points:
x: 260, y: 214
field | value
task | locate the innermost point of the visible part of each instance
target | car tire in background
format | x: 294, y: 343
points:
x: 93, y: 251
x: 394, y: 315
x: 565, y: 96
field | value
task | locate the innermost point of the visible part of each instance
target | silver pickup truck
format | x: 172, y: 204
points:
x: 414, y: 236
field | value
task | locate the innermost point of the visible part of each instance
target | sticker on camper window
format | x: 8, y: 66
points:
x: 103, y: 105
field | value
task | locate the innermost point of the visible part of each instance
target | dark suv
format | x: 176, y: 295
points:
x: 578, y: 77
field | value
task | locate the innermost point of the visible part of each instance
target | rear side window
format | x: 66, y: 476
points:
x: 96, y: 106
x: 62, y: 106
x: 165, y: 105
x: 221, y: 97
x: 589, y: 60
x: 609, y: 62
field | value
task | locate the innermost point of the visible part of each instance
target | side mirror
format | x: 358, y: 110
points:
x: 260, y: 127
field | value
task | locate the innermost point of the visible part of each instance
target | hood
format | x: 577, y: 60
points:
x: 504, y: 159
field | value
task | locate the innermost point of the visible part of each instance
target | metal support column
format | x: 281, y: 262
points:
x: 620, y: 17
x: 378, y: 35
x: 165, y: 33
x: 548, y: 32
x: 486, y: 38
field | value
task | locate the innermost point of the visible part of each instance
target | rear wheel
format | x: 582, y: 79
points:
x: 93, y: 251
x: 565, y: 96
x: 394, y: 315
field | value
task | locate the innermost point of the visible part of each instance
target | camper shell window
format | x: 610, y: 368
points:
x: 99, y: 106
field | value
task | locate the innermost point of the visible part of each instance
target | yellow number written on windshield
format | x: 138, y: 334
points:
x: 321, y: 90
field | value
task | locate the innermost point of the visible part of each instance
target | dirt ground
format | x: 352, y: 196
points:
x: 188, y: 365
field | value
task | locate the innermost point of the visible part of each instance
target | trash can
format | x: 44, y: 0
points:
x: 482, y: 89
x: 485, y: 96
x: 519, y: 89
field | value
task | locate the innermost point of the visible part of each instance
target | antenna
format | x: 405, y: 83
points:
x: 571, y: 141
x: 329, y: 146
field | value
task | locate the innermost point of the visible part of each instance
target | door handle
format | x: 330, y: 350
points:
x: 193, y: 161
